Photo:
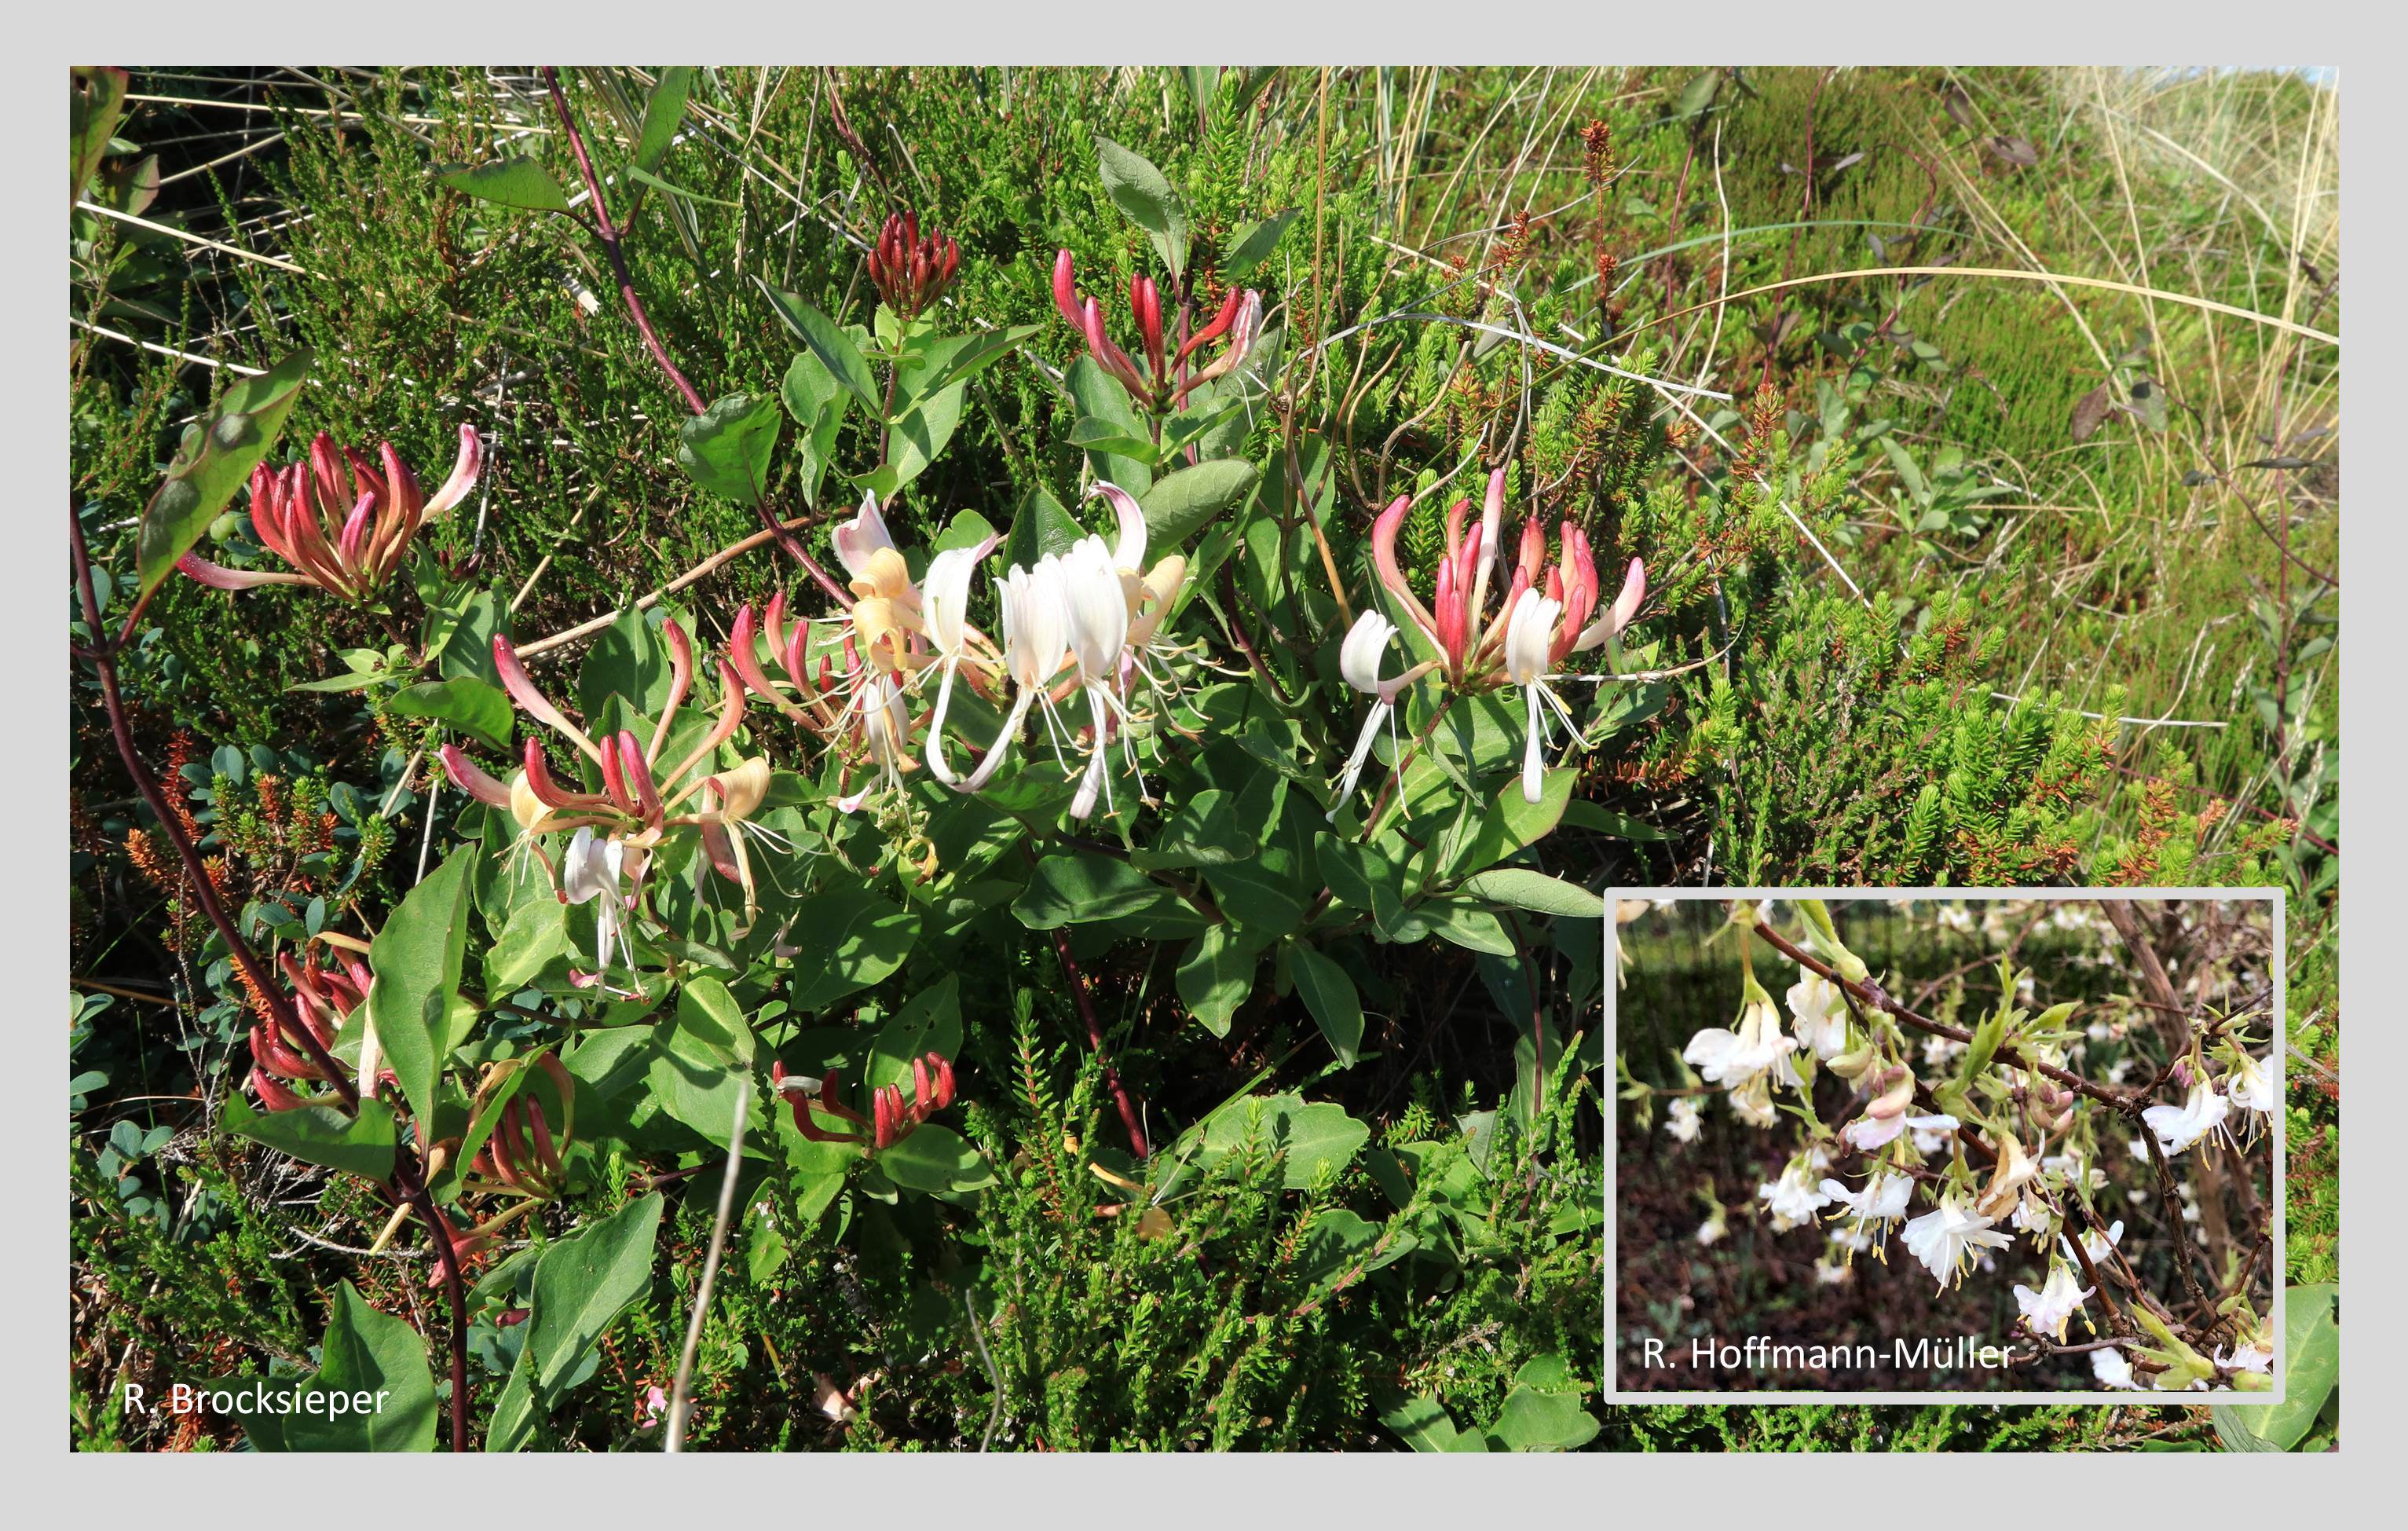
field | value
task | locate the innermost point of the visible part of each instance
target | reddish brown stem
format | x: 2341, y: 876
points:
x: 1086, y: 1003
x: 409, y: 1181
x: 608, y: 234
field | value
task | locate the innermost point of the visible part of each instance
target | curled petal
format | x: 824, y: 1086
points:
x: 217, y: 577
x: 1383, y: 554
x: 465, y: 471
x: 533, y: 702
x: 1212, y: 332
x: 465, y: 776
x: 1128, y: 551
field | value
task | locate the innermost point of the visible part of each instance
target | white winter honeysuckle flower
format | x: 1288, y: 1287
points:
x: 1883, y: 1200
x: 1819, y: 1015
x: 1829, y: 1274
x: 1794, y: 1199
x: 1732, y: 1058
x: 2177, y: 1128
x: 1743, y: 1061
x: 2108, y: 1364
x: 1957, y: 917
x: 1683, y: 1120
x: 2049, y: 1310
x: 1713, y: 1228
x: 2098, y: 1246
x: 2255, y: 1352
x: 1359, y: 662
x: 1752, y: 1101
x: 1947, y: 1238
x: 2033, y: 1217
x: 2249, y: 1085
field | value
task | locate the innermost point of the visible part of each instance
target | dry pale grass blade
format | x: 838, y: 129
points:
x: 681, y: 1392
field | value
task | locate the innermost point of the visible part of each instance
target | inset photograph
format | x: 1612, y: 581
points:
x: 1924, y: 1144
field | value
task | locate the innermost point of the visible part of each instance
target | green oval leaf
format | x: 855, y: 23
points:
x: 517, y: 181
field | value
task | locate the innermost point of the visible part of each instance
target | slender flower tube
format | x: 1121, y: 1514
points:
x: 338, y: 519
x: 1542, y: 619
x: 642, y: 801
x: 1164, y: 382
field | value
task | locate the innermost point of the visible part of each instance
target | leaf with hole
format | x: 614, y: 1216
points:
x: 517, y: 181
x: 214, y: 460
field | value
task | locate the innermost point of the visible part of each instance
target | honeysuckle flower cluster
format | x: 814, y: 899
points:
x: 1543, y: 617
x: 912, y: 270
x: 1086, y: 623
x: 521, y: 1154
x: 1991, y: 1152
x: 615, y: 831
x: 1166, y: 378
x: 340, y: 520
x: 323, y: 997
x: 892, y: 1119
x: 1744, y: 1059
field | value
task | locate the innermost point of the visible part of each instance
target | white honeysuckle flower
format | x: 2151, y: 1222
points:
x: 1794, y: 1199
x: 1957, y: 917
x: 860, y: 539
x: 1713, y: 1228
x: 2249, y: 1085
x: 2050, y: 1309
x: 1946, y: 1239
x: 1683, y: 1120
x: 1752, y: 1101
x: 590, y: 871
x: 1853, y: 1237
x: 1036, y: 639
x: 945, y: 598
x: 2108, y: 1364
x: 2177, y: 1128
x: 1831, y: 1275
x: 887, y: 728
x: 1529, y: 640
x: 1098, y: 608
x: 2032, y: 1215
x: 1884, y: 1198
x: 2097, y: 1245
x: 1359, y: 662
x: 1939, y: 1051
x: 1931, y: 1134
x: 1820, y: 1014
x: 1732, y: 1058
x: 2257, y: 1353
